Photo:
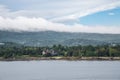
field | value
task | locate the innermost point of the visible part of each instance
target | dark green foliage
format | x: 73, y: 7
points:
x: 59, y: 50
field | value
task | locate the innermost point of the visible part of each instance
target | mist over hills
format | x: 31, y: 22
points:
x: 49, y: 38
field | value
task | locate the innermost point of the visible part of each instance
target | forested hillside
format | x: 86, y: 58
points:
x: 49, y: 38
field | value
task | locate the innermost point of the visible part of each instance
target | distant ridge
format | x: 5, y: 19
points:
x: 49, y: 38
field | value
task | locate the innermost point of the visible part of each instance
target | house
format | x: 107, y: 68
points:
x: 50, y: 52
x: 43, y: 52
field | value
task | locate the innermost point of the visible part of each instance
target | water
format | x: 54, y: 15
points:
x: 60, y: 70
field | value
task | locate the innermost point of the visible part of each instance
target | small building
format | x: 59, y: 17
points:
x: 50, y: 52
x: 43, y: 52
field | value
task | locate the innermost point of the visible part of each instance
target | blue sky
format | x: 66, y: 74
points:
x: 107, y: 18
x: 94, y: 16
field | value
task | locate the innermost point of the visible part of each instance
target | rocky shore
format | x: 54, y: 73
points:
x: 59, y: 58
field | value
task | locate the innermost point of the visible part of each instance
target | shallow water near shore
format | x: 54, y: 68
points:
x: 59, y: 70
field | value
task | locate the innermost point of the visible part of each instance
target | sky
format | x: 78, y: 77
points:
x: 91, y: 16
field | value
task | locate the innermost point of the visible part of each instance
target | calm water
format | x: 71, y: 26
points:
x: 60, y: 70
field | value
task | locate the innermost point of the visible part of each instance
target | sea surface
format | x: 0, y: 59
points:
x: 60, y: 70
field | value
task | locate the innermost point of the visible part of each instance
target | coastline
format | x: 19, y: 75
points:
x: 61, y: 58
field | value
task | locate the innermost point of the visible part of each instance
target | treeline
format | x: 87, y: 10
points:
x: 59, y: 50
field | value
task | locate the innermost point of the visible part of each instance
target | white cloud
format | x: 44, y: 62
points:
x: 59, y: 10
x: 111, y: 14
x: 40, y: 24
x: 88, y: 11
x: 45, y: 15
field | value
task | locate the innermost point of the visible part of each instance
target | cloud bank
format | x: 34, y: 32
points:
x: 40, y: 24
x: 42, y: 15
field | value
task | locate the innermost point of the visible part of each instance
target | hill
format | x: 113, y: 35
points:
x: 49, y: 38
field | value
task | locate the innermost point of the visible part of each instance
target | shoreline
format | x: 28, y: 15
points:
x: 62, y: 58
